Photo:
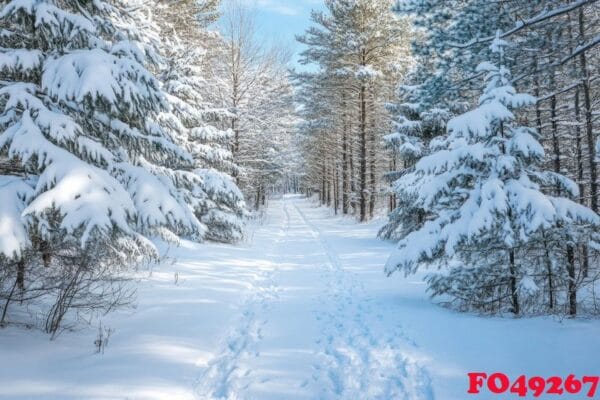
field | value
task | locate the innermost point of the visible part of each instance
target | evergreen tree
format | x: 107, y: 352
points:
x: 195, y: 122
x: 415, y: 126
x: 93, y: 172
x: 481, y: 187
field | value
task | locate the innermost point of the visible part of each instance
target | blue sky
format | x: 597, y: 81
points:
x: 279, y: 21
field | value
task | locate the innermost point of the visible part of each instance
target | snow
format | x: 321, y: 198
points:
x: 101, y: 76
x: 303, y: 311
x: 85, y: 195
x: 477, y: 122
x: 208, y: 133
x: 157, y: 202
x: 365, y: 72
x: 524, y: 143
x: 20, y: 59
x: 215, y: 182
x: 13, y: 234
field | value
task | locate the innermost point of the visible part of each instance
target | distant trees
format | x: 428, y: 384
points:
x: 256, y: 90
x: 360, y: 49
x: 551, y: 45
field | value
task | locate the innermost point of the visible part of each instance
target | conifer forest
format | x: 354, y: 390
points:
x: 299, y: 199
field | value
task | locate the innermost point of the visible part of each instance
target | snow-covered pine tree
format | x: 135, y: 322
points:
x: 456, y: 35
x: 194, y: 122
x: 425, y: 104
x: 415, y: 125
x: 86, y: 171
x: 481, y: 187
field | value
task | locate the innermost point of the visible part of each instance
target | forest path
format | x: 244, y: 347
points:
x: 301, y: 311
x: 309, y: 329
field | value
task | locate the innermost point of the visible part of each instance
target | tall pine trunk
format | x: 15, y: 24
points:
x: 372, y: 168
x: 363, y: 155
x: 514, y: 295
x: 392, y: 194
x: 345, y: 167
x: 548, y: 260
x: 589, y: 129
x: 336, y: 191
x: 579, y: 158
x: 352, y: 172
x: 572, y: 286
x: 323, y: 184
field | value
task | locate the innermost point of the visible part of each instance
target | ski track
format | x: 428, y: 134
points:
x: 351, y: 361
x: 223, y: 378
x: 358, y: 364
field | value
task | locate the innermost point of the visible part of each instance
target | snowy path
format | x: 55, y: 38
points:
x: 358, y: 362
x: 303, y: 312
x: 338, y: 357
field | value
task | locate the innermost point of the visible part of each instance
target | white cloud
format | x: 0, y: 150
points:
x: 282, y: 7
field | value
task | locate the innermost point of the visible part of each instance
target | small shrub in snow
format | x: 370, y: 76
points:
x: 103, y: 338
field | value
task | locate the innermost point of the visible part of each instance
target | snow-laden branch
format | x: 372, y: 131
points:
x: 542, y: 16
x: 581, y: 49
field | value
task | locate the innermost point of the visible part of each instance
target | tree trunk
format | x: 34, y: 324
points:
x: 352, y: 201
x: 8, y: 299
x: 572, y: 286
x: 257, y: 200
x: 372, y: 167
x: 555, y: 141
x: 236, y: 138
x: 580, y: 176
x: 363, y: 155
x: 513, y: 283
x: 323, y: 184
x: 328, y: 180
x: 550, y: 274
x: 21, y: 274
x: 45, y: 250
x: 336, y: 191
x: 589, y: 129
x: 393, y: 167
x: 345, y: 167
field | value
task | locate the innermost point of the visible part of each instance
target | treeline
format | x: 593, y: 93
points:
x: 493, y: 148
x: 360, y: 50
x: 122, y: 122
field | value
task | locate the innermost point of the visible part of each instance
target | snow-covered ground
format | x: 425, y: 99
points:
x: 303, y: 312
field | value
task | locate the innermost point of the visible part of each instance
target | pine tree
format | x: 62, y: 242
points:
x: 481, y: 187
x: 94, y: 174
x: 415, y: 127
x: 195, y: 122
